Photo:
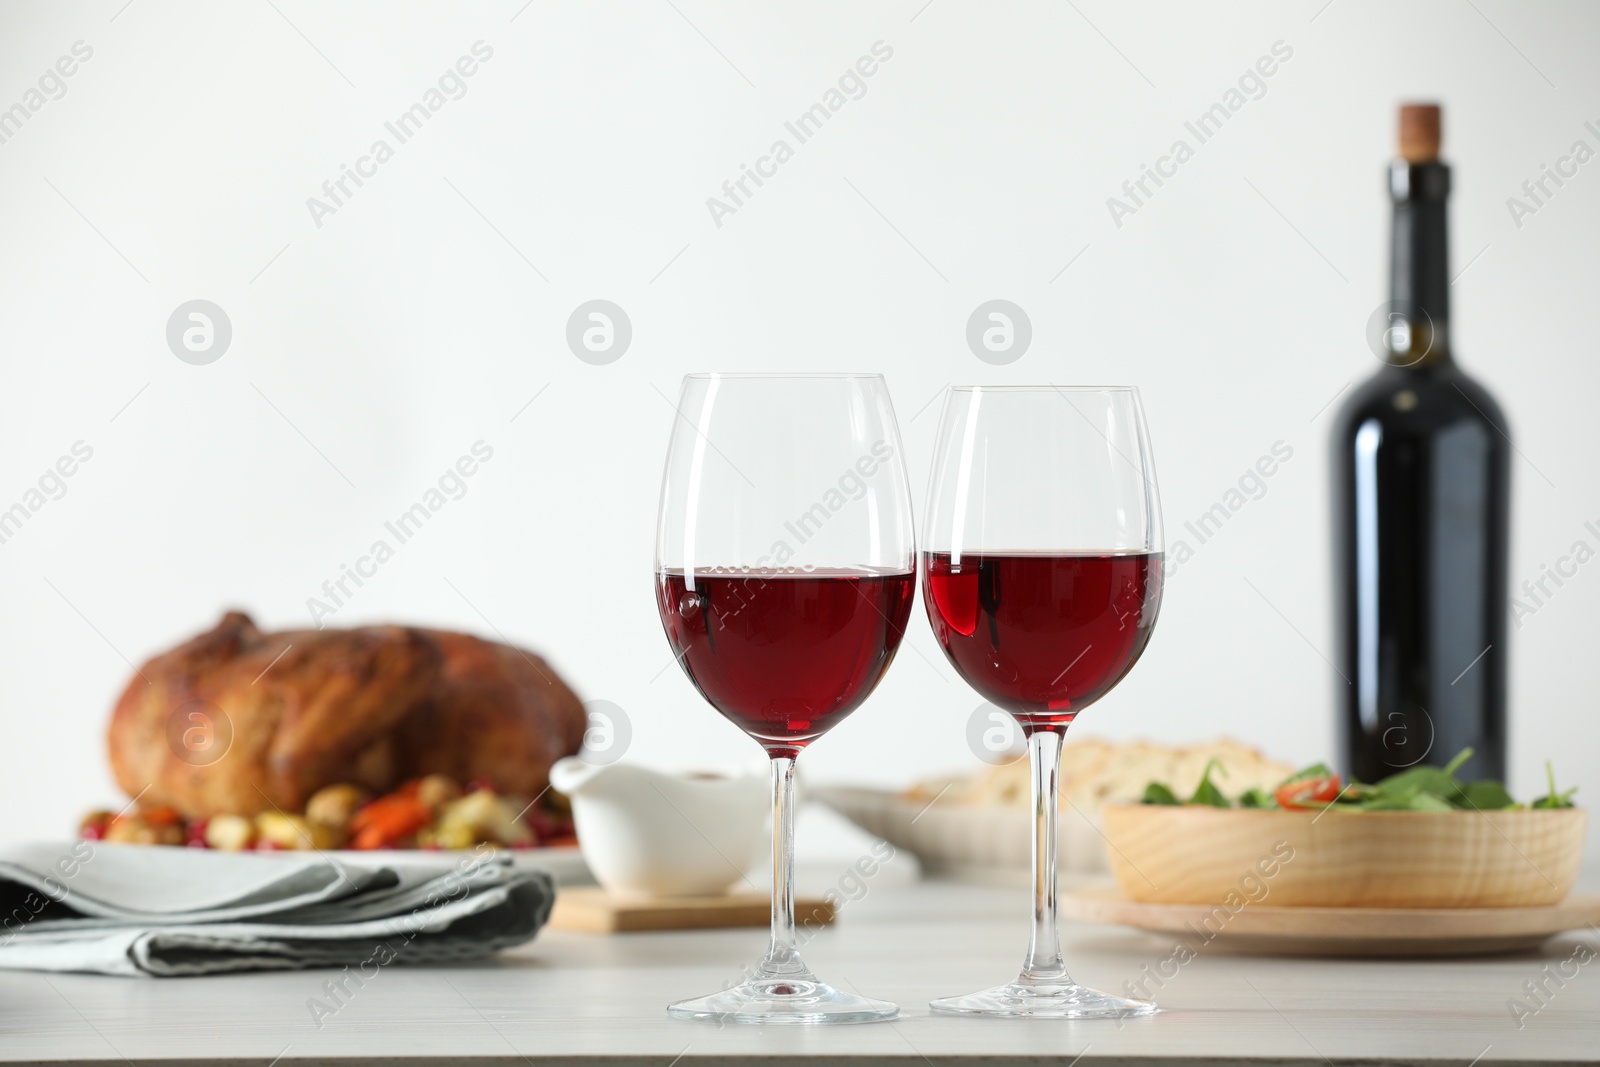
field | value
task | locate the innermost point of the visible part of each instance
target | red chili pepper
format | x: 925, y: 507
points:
x: 1308, y: 793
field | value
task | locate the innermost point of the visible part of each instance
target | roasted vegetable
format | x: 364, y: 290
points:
x: 432, y: 812
x: 336, y: 805
x: 231, y: 833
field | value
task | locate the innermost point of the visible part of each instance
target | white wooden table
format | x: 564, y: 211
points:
x: 575, y: 998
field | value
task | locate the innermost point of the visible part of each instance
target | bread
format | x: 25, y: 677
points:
x: 1094, y: 771
x: 238, y: 721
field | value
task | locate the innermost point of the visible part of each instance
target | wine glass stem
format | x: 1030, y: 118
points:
x: 1044, y: 949
x: 783, y: 957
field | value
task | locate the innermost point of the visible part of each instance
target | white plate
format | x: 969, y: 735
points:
x: 988, y: 843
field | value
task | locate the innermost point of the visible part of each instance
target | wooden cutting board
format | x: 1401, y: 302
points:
x: 1339, y: 931
x: 591, y: 910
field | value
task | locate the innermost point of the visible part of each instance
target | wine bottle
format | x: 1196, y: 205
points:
x: 1421, y: 505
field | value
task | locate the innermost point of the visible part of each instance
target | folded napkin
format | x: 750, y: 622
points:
x: 132, y: 909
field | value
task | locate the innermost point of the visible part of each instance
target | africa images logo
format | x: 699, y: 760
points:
x: 451, y: 85
x: 737, y: 191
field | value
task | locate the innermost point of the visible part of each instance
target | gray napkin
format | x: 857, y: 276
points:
x: 130, y: 909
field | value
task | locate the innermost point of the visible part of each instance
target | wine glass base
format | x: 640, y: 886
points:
x: 1043, y: 1000
x: 784, y: 1000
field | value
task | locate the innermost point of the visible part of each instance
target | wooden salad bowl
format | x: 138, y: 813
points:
x: 1371, y: 859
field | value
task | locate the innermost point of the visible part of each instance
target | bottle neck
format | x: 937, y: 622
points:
x: 1419, y: 290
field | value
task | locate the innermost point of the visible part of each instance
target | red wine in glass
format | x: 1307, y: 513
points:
x: 785, y: 566
x: 1042, y: 571
x: 785, y: 655
x: 1043, y: 635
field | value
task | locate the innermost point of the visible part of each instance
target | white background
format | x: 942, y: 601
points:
x: 415, y: 321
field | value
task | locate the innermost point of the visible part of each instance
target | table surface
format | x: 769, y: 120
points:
x: 594, y: 999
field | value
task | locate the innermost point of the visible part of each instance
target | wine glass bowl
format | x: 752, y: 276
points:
x: 1005, y: 619
x: 785, y: 570
x: 785, y: 654
x: 1042, y: 581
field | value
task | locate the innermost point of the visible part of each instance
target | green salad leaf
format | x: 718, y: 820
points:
x: 1207, y: 792
x: 1486, y: 795
x: 1408, y: 798
x: 1256, y: 798
x: 1159, y: 793
x: 1438, y: 781
x: 1553, y: 799
x: 1413, y: 789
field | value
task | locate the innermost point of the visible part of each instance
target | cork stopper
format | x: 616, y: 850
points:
x: 1419, y: 133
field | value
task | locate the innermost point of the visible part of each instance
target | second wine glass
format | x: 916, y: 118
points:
x: 1042, y: 579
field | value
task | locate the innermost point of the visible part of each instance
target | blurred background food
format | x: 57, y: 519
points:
x: 429, y: 813
x: 1094, y: 770
x: 239, y: 721
x: 375, y: 737
x: 977, y: 826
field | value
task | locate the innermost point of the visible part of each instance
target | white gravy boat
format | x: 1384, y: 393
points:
x: 645, y: 833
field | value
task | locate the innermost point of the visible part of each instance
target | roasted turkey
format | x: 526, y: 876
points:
x: 238, y: 721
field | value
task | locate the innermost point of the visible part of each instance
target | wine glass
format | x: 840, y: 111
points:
x: 1042, y: 579
x: 785, y: 569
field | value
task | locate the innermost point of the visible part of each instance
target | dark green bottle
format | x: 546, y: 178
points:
x: 1421, y: 506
